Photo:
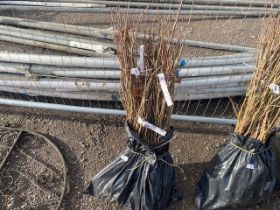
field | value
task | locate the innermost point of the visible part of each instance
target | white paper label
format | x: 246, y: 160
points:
x: 96, y: 48
x: 124, y: 158
x: 135, y: 71
x: 151, y: 127
x: 250, y: 166
x: 164, y: 89
x: 142, y: 63
x: 275, y: 88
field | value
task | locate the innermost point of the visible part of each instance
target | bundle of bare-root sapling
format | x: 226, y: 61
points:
x: 243, y: 172
x: 142, y: 176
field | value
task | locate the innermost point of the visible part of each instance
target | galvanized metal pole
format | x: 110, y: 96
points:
x: 60, y: 107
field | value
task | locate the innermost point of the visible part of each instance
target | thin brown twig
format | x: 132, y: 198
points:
x: 142, y: 95
x: 260, y: 114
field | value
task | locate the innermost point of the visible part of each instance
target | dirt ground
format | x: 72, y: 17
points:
x: 90, y: 142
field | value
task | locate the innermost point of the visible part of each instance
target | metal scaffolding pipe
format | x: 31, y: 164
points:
x: 13, y: 68
x: 97, y: 96
x: 178, y: 89
x: 90, y: 45
x: 205, y: 90
x: 232, y: 55
x: 65, y: 28
x: 56, y: 60
x: 52, y: 4
x: 190, y: 72
x: 134, y: 4
x: 201, y: 96
x: 214, y: 81
x: 255, y: 13
x: 108, y: 34
x: 86, y: 85
x: 89, y: 74
x: 56, y: 47
x: 43, y: 69
x: 107, y: 63
x: 185, y: 6
x: 252, y: 3
x: 214, y: 46
x: 113, y: 96
x: 219, y: 62
x: 60, y: 107
x: 217, y: 70
x: 73, y: 42
x: 65, y: 84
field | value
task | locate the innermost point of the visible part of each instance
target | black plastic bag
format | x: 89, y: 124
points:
x: 141, y: 177
x: 242, y: 173
x: 275, y: 144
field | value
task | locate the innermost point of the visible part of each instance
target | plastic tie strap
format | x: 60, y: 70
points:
x: 182, y: 62
x: 244, y: 150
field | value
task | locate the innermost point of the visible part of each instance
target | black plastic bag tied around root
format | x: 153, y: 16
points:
x: 275, y: 145
x: 141, y: 177
x: 243, y: 173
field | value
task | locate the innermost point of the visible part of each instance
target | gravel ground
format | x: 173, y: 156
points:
x: 90, y: 142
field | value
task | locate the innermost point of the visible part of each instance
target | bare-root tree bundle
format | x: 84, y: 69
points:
x: 243, y: 172
x: 141, y: 92
x: 260, y: 112
x: 143, y: 176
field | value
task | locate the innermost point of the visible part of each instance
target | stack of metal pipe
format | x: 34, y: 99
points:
x: 45, y: 35
x: 92, y: 71
x: 99, y: 78
x: 222, y: 8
